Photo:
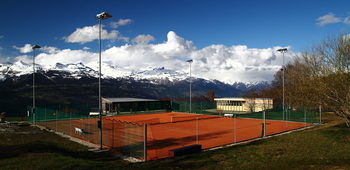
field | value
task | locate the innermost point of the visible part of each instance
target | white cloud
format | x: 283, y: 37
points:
x: 121, y: 22
x: 26, y: 49
x: 327, y: 19
x: 50, y: 50
x: 230, y: 64
x: 86, y: 48
x: 90, y: 33
x: 236, y: 63
x: 25, y: 59
x: 143, y: 39
x: 347, y: 21
x: 175, y: 46
x: 4, y: 60
x: 346, y: 37
x: 1, y: 36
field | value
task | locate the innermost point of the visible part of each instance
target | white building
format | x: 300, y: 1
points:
x: 243, y: 104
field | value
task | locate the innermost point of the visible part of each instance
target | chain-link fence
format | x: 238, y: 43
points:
x: 207, y: 125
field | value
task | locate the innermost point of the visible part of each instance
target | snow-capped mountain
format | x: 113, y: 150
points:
x: 78, y: 84
x: 92, y: 69
x: 160, y: 76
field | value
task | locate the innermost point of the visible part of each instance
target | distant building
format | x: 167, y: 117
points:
x: 118, y: 105
x: 243, y: 104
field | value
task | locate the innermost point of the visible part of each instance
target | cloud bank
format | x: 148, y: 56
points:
x: 91, y: 33
x: 228, y: 64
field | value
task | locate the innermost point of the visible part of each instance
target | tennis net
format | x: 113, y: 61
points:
x: 191, y: 118
x: 147, y: 121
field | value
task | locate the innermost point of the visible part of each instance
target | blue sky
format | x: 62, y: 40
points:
x: 231, y: 40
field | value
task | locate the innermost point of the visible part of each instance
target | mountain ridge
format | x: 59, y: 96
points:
x: 78, y: 84
x: 81, y: 74
x: 91, y: 70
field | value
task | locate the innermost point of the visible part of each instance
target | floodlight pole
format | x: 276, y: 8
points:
x: 99, y: 17
x: 283, y: 50
x: 190, y: 61
x: 34, y: 47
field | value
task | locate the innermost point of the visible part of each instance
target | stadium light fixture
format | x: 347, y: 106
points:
x: 34, y: 47
x: 283, y: 50
x: 99, y: 17
x: 190, y: 61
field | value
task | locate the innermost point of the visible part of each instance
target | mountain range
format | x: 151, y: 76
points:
x: 78, y: 83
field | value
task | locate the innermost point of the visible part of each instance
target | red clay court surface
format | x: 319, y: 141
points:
x: 208, y: 132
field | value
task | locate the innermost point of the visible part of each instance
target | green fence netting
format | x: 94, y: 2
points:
x: 272, y: 112
x: 196, y: 107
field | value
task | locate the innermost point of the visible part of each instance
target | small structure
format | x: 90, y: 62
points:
x: 133, y: 105
x: 243, y: 104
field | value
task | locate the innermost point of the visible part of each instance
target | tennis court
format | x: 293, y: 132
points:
x: 176, y: 130
x: 173, y: 130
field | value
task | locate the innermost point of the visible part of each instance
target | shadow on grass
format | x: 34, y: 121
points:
x: 20, y: 150
x: 340, y: 131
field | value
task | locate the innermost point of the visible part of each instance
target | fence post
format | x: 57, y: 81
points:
x: 45, y: 119
x: 201, y: 108
x: 283, y: 111
x: 264, y: 124
x: 320, y: 115
x: 70, y: 123
x: 145, y: 142
x: 235, y: 128
x: 197, y: 130
x: 286, y: 118
x: 289, y: 112
x: 56, y: 121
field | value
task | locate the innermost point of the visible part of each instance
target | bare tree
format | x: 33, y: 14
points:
x: 251, y: 104
x: 211, y: 96
x: 265, y: 97
x: 321, y: 75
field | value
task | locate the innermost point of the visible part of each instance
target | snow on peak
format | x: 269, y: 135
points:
x: 80, y: 69
x: 158, y: 73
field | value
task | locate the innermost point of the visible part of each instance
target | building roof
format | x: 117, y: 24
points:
x: 231, y: 98
x: 125, y: 100
x: 238, y: 99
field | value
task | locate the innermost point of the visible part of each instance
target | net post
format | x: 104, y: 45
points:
x: 145, y: 142
x: 320, y: 114
x: 171, y: 119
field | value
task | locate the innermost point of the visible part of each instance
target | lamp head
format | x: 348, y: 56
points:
x: 189, y: 61
x: 35, y: 46
x: 282, y: 50
x: 103, y: 15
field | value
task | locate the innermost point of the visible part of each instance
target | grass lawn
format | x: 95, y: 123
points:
x: 323, y: 147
